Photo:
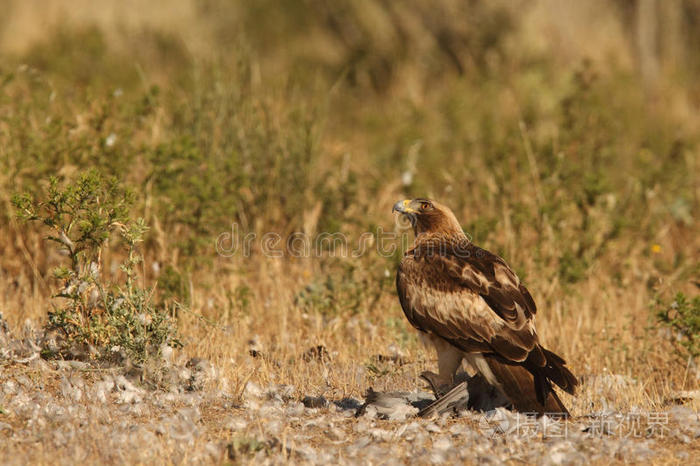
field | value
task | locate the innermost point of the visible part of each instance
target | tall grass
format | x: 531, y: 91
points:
x: 316, y: 117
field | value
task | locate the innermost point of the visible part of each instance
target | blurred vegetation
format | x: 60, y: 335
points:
x: 310, y: 109
x: 683, y: 317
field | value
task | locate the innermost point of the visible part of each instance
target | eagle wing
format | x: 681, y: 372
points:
x: 471, y: 298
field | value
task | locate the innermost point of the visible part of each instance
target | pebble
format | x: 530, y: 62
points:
x: 106, y: 417
x: 314, y: 402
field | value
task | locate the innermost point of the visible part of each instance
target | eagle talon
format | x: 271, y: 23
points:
x: 433, y: 379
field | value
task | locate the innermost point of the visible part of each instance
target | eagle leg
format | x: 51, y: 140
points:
x: 449, y: 360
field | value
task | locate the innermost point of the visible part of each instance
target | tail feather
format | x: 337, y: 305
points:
x: 554, y: 405
x: 557, y: 372
x: 530, y: 392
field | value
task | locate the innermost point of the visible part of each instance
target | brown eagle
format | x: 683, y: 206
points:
x: 471, y: 306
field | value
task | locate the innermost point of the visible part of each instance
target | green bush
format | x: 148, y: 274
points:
x: 682, y: 316
x: 97, y: 318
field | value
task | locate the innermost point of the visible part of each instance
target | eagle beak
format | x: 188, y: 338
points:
x: 403, y: 207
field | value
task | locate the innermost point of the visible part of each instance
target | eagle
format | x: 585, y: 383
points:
x: 471, y: 306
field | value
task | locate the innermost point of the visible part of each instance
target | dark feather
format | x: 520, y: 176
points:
x: 529, y: 393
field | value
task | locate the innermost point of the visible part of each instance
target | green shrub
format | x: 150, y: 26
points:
x: 98, y: 319
x: 682, y: 315
x: 349, y: 289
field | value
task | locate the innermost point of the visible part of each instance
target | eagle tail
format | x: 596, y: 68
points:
x: 556, y: 371
x: 554, y: 404
x: 527, y: 392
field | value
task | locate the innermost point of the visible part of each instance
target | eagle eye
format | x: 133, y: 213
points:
x: 425, y: 205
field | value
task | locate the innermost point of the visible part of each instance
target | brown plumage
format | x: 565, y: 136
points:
x: 472, y: 307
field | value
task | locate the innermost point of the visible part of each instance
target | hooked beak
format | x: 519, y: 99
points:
x: 403, y: 207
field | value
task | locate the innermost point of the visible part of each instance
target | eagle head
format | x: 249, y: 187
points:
x: 427, y: 216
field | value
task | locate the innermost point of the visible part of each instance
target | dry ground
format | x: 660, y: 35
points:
x: 68, y: 412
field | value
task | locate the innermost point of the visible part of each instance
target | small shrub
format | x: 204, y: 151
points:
x: 682, y: 315
x: 344, y: 289
x: 243, y: 446
x: 100, y: 319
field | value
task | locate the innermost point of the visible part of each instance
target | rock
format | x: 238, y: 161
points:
x: 281, y: 393
x: 236, y: 423
x: 295, y: 409
x: 433, y: 428
x: 252, y: 390
x: 126, y: 391
x: 101, y: 390
x: 71, y: 389
x: 442, y: 443
x: 315, y: 402
x: 9, y: 387
x: 167, y: 354
x: 684, y: 396
x: 498, y: 422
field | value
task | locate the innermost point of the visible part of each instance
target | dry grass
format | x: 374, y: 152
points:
x: 327, y: 123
